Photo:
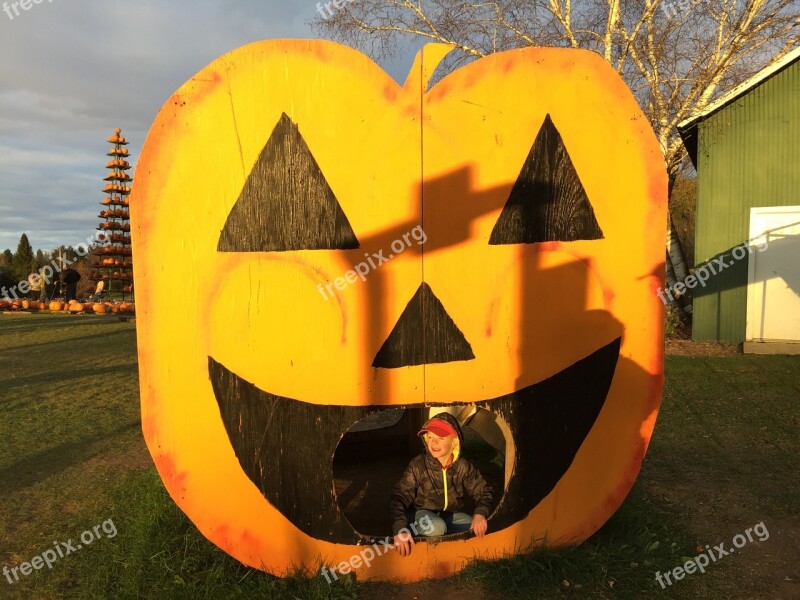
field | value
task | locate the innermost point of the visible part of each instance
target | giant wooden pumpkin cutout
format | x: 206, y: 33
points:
x: 541, y: 191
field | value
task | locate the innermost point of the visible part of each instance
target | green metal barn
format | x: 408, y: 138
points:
x: 746, y: 149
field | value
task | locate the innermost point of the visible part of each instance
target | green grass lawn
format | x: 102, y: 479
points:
x: 723, y: 458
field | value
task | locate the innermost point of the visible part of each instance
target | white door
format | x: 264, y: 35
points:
x: 773, y: 287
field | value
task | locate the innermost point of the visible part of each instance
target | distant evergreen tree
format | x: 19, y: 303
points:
x: 24, y: 259
x: 6, y: 258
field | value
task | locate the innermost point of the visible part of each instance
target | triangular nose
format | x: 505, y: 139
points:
x: 424, y: 334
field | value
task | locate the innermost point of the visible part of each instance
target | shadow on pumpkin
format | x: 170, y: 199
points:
x: 548, y: 429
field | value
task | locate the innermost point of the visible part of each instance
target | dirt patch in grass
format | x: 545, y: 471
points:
x: 443, y: 589
x: 716, y: 512
x: 683, y: 347
x: 721, y: 455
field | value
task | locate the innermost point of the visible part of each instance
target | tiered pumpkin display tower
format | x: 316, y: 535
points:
x: 113, y: 259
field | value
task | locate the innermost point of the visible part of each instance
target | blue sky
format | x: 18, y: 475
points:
x: 73, y: 70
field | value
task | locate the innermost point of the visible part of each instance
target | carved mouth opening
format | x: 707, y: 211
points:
x: 372, y: 455
x: 286, y: 446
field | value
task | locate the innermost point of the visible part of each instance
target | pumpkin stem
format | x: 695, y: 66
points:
x: 425, y: 63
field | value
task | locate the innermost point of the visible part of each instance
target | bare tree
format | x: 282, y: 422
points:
x: 676, y: 56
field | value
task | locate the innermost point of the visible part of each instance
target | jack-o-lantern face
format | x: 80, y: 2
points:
x: 512, y: 218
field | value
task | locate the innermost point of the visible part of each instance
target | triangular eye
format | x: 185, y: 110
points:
x: 286, y: 202
x: 548, y: 202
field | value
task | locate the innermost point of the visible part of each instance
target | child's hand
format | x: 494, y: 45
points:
x: 403, y: 542
x: 479, y: 525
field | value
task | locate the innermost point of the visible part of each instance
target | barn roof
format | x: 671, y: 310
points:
x: 688, y: 127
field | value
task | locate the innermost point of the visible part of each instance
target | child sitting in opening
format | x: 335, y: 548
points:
x: 434, y: 485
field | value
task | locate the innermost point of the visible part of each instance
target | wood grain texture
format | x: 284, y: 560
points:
x: 261, y: 426
x: 286, y: 203
x: 548, y: 201
x: 424, y: 334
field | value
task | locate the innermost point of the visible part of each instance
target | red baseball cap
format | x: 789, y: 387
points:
x: 438, y: 427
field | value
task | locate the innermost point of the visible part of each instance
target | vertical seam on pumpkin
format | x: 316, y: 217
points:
x: 235, y: 122
x: 422, y: 222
